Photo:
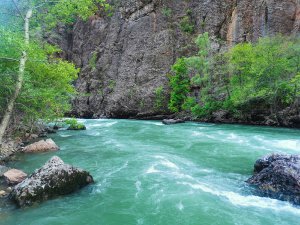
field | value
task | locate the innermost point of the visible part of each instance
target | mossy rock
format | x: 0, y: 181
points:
x: 77, y: 127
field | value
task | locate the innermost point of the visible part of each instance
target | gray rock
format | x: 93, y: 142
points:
x: 124, y: 58
x: 53, y: 179
x: 172, y: 121
x: 278, y: 176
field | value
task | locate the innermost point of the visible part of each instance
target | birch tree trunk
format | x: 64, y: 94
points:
x: 20, y: 79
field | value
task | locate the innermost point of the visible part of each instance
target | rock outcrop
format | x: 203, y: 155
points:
x: 41, y: 146
x: 14, y: 176
x: 172, y: 121
x: 124, y: 58
x: 278, y: 176
x: 53, y: 179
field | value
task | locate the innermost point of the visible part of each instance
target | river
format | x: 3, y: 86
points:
x: 152, y: 174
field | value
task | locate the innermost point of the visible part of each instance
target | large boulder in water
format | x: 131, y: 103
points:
x: 41, y: 146
x: 278, y: 176
x: 53, y: 179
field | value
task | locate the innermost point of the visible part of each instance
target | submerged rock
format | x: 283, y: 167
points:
x: 278, y: 176
x: 41, y: 146
x: 14, y: 176
x: 53, y: 179
x: 172, y: 121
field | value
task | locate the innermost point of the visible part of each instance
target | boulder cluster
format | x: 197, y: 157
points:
x: 53, y: 179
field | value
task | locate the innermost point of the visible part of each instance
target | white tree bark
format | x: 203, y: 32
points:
x: 20, y: 79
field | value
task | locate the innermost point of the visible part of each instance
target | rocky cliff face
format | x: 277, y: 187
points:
x: 125, y: 57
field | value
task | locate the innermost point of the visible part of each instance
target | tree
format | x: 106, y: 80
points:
x: 266, y: 71
x: 180, y: 85
x: 36, y: 58
x: 190, y: 72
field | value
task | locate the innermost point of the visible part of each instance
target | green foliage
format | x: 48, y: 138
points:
x: 167, y: 12
x: 199, y: 65
x: 47, y: 83
x: 92, y: 61
x: 74, y: 124
x: 180, y: 85
x: 112, y: 84
x: 67, y: 11
x: 265, y: 74
x: 186, y: 25
x: 195, y: 67
x: 47, y: 87
x: 159, y: 97
x: 189, y: 103
x: 266, y: 70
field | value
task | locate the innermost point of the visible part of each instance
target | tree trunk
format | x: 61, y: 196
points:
x: 20, y: 79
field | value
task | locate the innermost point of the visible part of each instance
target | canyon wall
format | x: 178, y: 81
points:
x: 124, y: 58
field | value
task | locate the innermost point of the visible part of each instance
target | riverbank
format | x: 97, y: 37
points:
x: 288, y: 118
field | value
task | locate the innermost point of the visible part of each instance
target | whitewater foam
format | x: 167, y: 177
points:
x: 103, y: 124
x: 117, y: 169
x: 65, y: 135
x: 151, y: 169
x: 288, y: 144
x: 94, y: 133
x: 180, y: 206
x: 246, y: 201
x: 169, y: 164
x: 138, y: 185
x: 202, y: 134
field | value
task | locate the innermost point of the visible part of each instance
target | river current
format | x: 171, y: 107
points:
x: 152, y: 174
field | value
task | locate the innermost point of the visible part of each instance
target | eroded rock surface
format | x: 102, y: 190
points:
x: 124, y: 58
x: 53, y: 179
x: 278, y: 176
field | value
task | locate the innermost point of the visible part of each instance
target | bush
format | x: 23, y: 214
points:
x: 186, y: 25
x: 74, y: 124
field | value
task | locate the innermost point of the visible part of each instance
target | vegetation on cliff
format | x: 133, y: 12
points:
x: 249, y: 75
x: 34, y: 82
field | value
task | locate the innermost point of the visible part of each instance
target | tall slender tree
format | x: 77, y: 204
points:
x: 32, y: 15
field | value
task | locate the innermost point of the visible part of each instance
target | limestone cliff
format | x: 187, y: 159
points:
x: 125, y: 57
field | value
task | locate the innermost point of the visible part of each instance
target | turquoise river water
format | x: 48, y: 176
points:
x: 148, y: 173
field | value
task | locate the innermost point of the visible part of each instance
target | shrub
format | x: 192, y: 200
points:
x: 186, y: 25
x: 167, y: 12
x: 74, y: 124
